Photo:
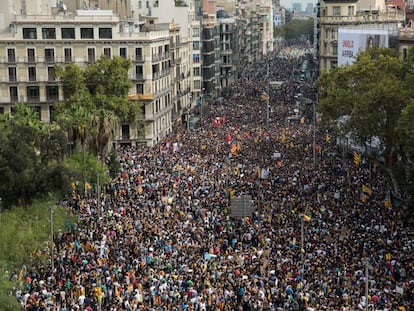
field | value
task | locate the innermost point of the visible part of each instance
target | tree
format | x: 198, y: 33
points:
x: 297, y: 28
x: 30, y: 157
x: 372, y: 92
x: 96, y: 102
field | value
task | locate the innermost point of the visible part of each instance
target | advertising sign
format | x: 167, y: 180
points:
x: 351, y: 41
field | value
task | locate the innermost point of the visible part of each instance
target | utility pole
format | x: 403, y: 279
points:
x: 302, y: 246
x: 314, y: 131
x: 268, y: 98
x: 51, y: 238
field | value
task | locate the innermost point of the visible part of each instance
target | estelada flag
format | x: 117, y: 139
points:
x: 367, y: 190
x: 228, y: 138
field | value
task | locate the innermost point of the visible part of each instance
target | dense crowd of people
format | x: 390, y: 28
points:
x: 163, y: 236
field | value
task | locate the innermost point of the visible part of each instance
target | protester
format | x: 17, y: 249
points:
x: 162, y: 238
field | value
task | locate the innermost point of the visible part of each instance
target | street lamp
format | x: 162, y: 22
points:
x: 314, y: 130
x: 51, y: 238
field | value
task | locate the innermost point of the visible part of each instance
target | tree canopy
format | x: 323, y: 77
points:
x: 376, y: 96
x: 95, y: 101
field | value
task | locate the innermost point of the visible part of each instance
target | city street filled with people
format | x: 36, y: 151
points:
x: 162, y: 236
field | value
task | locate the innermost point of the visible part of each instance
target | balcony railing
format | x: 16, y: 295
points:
x: 33, y: 98
x: 49, y: 59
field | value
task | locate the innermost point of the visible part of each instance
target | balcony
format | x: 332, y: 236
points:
x: 52, y: 98
x: 50, y: 59
x: 379, y: 16
x: 31, y: 59
x: 138, y: 59
x: 33, y: 98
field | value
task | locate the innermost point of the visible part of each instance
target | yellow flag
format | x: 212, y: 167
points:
x: 306, y: 217
x: 357, y: 158
x: 88, y: 186
x: 367, y: 190
x: 302, y: 120
x: 233, y: 149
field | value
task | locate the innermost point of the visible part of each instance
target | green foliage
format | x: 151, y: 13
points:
x: 25, y: 239
x: 85, y: 167
x: 376, y: 95
x: 30, y: 157
x: 96, y: 102
x: 296, y: 28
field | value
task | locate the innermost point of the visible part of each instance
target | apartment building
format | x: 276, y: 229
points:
x: 363, y: 14
x: 34, y: 44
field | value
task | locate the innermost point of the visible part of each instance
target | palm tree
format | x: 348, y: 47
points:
x: 102, y: 124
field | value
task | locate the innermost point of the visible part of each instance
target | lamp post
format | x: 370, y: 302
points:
x: 314, y: 131
x: 267, y: 99
x: 51, y: 238
x: 302, y: 242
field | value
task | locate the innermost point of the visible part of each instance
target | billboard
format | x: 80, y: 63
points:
x: 351, y: 41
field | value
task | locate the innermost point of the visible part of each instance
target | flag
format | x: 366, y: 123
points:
x: 327, y: 137
x: 228, y: 138
x: 387, y: 202
x: 302, y: 120
x: 367, y: 190
x: 88, y: 186
x: 306, y: 217
x: 264, y: 96
x: 363, y: 198
x: 357, y: 158
x: 233, y: 148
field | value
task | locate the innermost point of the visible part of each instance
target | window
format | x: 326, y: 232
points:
x: 335, y: 49
x: 196, y: 58
x: 52, y: 93
x: 86, y: 33
x: 156, y: 4
x: 29, y: 33
x: 336, y: 11
x: 125, y: 131
x: 68, y: 54
x: 140, y: 88
x: 48, y: 33
x: 91, y: 55
x: 196, y: 71
x: 196, y: 32
x: 107, y: 52
x: 138, y: 54
x: 14, y: 96
x: 350, y: 10
x: 333, y: 33
x: 139, y: 72
x: 52, y: 113
x: 405, y: 53
x: 32, y: 93
x: 139, y: 4
x: 68, y: 33
x: 51, y: 73
x: 147, y: 4
x: 49, y: 55
x: 11, y: 55
x: 196, y: 45
x: 30, y: 55
x: 31, y: 71
x: 1, y: 110
x: 105, y: 33
x: 123, y: 52
x: 197, y: 84
x: 12, y: 74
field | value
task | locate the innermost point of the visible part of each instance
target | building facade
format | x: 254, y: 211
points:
x: 35, y: 44
x: 335, y: 14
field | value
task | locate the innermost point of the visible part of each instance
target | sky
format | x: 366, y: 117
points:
x: 288, y: 3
